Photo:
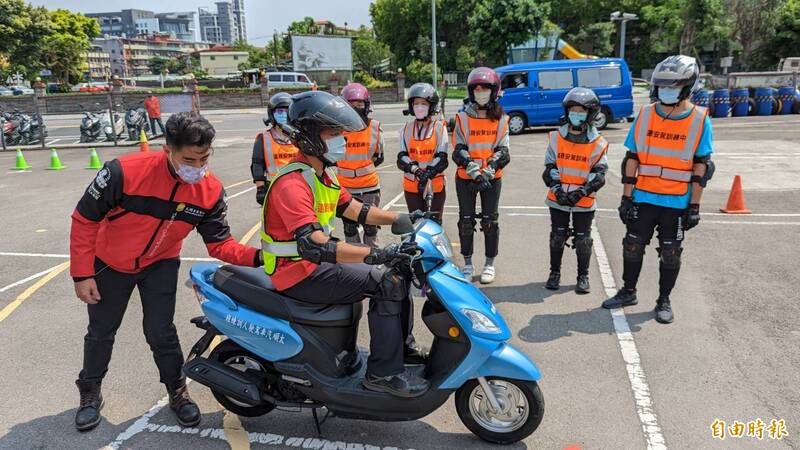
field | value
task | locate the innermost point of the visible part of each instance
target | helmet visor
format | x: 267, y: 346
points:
x: 339, y: 115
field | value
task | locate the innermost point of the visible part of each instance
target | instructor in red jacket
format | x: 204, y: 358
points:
x: 127, y: 232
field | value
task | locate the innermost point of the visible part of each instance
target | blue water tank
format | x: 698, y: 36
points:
x: 764, y: 101
x: 740, y: 98
x: 722, y: 103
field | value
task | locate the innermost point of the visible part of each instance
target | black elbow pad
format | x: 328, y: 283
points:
x: 597, y: 182
x: 546, y: 177
x: 461, y: 155
x: 404, y: 162
x: 710, y: 168
x: 441, y: 162
x: 312, y: 251
x: 378, y: 160
x: 500, y: 158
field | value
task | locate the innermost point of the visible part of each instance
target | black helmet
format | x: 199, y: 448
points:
x: 581, y: 96
x: 279, y: 100
x: 313, y: 112
x: 424, y: 91
x: 676, y: 71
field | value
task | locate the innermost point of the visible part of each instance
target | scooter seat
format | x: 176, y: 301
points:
x: 251, y: 287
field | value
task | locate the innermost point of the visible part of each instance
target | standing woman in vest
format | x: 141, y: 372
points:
x: 423, y: 150
x: 356, y: 172
x: 481, y: 151
x: 575, y: 169
x: 272, y: 148
x: 664, y: 173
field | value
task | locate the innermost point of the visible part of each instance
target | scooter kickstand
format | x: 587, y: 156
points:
x: 319, y: 423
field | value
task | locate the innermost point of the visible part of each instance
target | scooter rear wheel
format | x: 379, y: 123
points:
x: 521, y: 409
x: 235, y: 357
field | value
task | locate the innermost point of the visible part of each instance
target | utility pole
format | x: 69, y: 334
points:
x: 623, y: 18
x: 433, y: 41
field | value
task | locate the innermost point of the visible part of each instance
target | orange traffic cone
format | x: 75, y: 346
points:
x: 144, y: 146
x: 736, y: 199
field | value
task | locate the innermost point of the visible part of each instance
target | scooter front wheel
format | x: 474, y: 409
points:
x: 521, y: 408
x: 235, y: 357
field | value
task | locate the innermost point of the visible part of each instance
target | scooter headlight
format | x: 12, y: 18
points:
x: 442, y: 243
x: 480, y: 322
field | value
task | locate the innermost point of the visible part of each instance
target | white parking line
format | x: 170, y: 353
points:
x: 25, y: 280
x: 242, y: 192
x: 627, y: 346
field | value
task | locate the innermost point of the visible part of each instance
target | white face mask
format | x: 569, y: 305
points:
x: 189, y: 174
x: 482, y: 98
x: 421, y: 111
x: 337, y: 147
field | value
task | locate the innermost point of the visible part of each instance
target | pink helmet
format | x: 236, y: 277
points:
x: 355, y: 92
x: 483, y: 76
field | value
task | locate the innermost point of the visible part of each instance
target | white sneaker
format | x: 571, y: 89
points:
x: 468, y: 271
x: 487, y: 276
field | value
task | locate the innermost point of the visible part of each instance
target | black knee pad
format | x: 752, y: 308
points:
x: 490, y: 225
x: 466, y: 225
x: 350, y: 228
x: 371, y: 230
x: 633, y: 248
x: 670, y: 254
x: 583, y: 245
x: 558, y: 238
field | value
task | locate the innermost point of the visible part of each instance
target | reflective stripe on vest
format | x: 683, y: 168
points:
x: 422, y: 151
x: 574, y: 163
x: 482, y: 136
x: 356, y: 171
x: 666, y: 149
x: 276, y: 154
x: 326, y: 199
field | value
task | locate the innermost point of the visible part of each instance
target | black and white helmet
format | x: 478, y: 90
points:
x: 581, y: 96
x: 279, y: 100
x: 425, y: 91
x: 313, y: 112
x: 676, y: 71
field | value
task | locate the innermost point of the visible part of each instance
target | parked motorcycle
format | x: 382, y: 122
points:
x: 136, y: 120
x: 282, y: 352
x: 97, y: 124
x: 22, y: 129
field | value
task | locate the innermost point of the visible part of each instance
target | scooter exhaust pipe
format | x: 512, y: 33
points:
x: 225, y: 380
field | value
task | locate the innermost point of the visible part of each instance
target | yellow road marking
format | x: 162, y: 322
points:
x: 237, y: 184
x: 249, y: 234
x: 5, y: 312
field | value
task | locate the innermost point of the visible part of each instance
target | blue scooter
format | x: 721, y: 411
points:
x: 282, y: 352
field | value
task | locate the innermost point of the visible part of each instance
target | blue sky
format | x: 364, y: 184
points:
x: 262, y: 16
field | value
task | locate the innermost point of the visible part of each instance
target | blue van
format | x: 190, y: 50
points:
x: 532, y: 92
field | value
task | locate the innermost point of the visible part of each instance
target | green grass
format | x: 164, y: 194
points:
x: 456, y: 93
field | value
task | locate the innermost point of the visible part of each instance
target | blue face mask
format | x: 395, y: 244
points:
x: 577, y: 118
x: 336, y: 149
x: 669, y: 95
x: 280, y: 116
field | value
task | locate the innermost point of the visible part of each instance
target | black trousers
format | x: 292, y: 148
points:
x: 669, y: 223
x: 415, y: 201
x: 390, y: 322
x: 157, y: 286
x: 559, y: 232
x: 490, y: 202
x: 153, y: 122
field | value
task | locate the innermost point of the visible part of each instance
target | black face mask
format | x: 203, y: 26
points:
x: 364, y: 113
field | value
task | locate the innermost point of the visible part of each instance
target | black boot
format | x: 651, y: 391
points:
x: 88, y: 414
x: 663, y: 310
x: 553, y: 281
x: 582, y: 287
x: 623, y: 297
x: 186, y: 410
x: 414, y: 354
x: 405, y: 385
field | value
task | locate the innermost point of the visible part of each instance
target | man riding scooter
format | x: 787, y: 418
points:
x: 306, y: 263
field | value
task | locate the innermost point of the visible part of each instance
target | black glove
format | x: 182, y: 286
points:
x: 422, y: 179
x: 261, y: 194
x: 691, y: 216
x: 390, y: 253
x: 575, y: 196
x: 483, y: 182
x: 562, y: 198
x: 627, y: 210
x: 404, y: 223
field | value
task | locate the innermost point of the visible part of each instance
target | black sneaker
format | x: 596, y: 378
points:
x: 663, y: 310
x: 88, y: 414
x: 553, y: 280
x: 622, y: 298
x: 185, y: 409
x: 406, y: 384
x: 414, y: 354
x: 582, y: 287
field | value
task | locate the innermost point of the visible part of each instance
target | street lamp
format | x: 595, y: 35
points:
x: 624, y: 18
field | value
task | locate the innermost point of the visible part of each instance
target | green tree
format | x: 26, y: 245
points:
x: 257, y: 57
x: 305, y: 26
x: 369, y: 53
x: 754, y: 22
x: 64, y: 49
x: 498, y: 24
x: 22, y: 29
x: 420, y: 71
x: 595, y: 39
x: 686, y: 26
x: 785, y: 41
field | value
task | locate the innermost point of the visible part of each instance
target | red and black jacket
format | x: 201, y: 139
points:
x: 137, y: 212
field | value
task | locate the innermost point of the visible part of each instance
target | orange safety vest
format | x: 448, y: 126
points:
x: 422, y: 151
x: 276, y: 154
x: 356, y: 171
x: 666, y: 150
x: 574, y: 163
x: 482, y: 135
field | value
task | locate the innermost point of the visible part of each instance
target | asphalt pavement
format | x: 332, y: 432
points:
x: 610, y: 381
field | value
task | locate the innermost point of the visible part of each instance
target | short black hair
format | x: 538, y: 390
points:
x: 189, y: 128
